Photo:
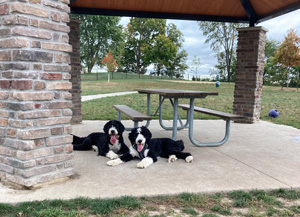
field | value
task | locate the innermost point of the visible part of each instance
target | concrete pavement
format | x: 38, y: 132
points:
x: 257, y: 156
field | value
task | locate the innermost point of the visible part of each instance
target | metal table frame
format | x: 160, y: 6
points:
x: 190, y: 113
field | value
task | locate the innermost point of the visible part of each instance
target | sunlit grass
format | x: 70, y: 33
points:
x: 285, y: 101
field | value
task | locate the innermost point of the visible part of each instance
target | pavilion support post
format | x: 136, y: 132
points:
x: 35, y: 114
x: 249, y: 73
x: 74, y: 40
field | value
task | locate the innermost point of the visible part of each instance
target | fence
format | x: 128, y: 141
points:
x: 104, y: 76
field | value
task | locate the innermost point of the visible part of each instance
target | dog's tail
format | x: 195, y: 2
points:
x: 180, y: 144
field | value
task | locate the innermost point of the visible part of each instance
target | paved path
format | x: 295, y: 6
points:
x: 98, y: 96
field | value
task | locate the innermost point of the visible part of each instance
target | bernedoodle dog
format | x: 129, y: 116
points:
x: 110, y: 143
x: 148, y: 150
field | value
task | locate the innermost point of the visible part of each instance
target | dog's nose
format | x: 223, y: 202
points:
x: 113, y: 131
x: 139, y: 141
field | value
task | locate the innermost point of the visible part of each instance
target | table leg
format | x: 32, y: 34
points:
x: 191, y: 129
x: 175, y: 117
x: 161, y: 99
x: 148, y: 109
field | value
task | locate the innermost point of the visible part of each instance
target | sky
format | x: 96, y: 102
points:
x: 195, y: 41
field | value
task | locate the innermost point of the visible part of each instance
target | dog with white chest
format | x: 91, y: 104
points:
x: 148, y: 149
x: 109, y: 144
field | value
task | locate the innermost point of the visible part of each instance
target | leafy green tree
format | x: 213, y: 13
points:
x: 288, y: 53
x: 222, y: 38
x: 140, y: 33
x: 270, y: 70
x: 177, y: 64
x: 98, y: 35
x: 222, y: 68
x: 161, y: 52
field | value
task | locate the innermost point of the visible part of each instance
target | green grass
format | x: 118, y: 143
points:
x: 259, y: 204
x: 285, y: 101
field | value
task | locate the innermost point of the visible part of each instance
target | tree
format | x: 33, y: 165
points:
x: 288, y: 53
x: 140, y: 33
x: 222, y: 38
x: 161, y: 52
x: 222, y: 68
x: 98, y: 35
x: 270, y: 69
x: 196, y: 64
x: 109, y: 62
x: 177, y: 64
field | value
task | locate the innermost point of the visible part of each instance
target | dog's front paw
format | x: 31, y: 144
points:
x: 112, y: 155
x: 172, y: 158
x: 144, y: 163
x: 189, y: 159
x: 95, y: 148
x: 114, y: 162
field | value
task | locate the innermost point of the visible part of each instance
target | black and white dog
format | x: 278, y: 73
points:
x: 148, y: 150
x: 110, y: 143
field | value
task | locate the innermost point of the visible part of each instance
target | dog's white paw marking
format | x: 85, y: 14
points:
x: 189, y: 159
x: 95, y: 148
x: 114, y: 162
x: 112, y: 155
x: 172, y: 158
x: 145, y: 163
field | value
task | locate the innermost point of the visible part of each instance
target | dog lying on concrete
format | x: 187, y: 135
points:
x: 109, y: 144
x: 148, y: 150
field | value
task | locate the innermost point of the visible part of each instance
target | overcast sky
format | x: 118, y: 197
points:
x: 194, y: 39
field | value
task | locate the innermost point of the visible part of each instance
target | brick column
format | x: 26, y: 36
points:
x: 249, y: 73
x: 74, y: 40
x: 35, y: 114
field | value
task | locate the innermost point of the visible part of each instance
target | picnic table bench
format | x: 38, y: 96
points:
x: 134, y: 115
x: 224, y: 115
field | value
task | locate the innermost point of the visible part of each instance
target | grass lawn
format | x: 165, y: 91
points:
x: 286, y: 101
x: 238, y: 203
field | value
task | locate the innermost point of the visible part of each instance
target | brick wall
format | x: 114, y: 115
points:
x: 74, y: 40
x: 249, y: 73
x: 35, y: 114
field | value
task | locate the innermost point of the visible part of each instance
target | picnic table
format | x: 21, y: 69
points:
x: 174, y: 95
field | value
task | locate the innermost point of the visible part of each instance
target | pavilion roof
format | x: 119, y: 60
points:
x: 242, y: 11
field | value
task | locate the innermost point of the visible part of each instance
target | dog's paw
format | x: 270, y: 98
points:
x: 112, y: 155
x: 189, y: 159
x: 172, y: 158
x: 114, y: 162
x: 95, y: 148
x: 145, y: 163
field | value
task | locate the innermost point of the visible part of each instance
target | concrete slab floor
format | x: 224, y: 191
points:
x: 257, y: 156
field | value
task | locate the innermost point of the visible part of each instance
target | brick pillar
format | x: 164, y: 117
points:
x: 249, y: 73
x: 74, y: 40
x: 35, y: 114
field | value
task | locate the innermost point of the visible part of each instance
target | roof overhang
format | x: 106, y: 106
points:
x: 238, y: 11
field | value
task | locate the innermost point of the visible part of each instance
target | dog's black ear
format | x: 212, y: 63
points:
x: 147, y: 132
x: 121, y: 126
x: 106, y: 127
x: 131, y: 136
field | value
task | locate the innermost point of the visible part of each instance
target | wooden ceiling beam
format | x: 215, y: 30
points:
x: 253, y: 18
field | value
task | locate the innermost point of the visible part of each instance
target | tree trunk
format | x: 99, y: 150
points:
x: 297, y: 80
